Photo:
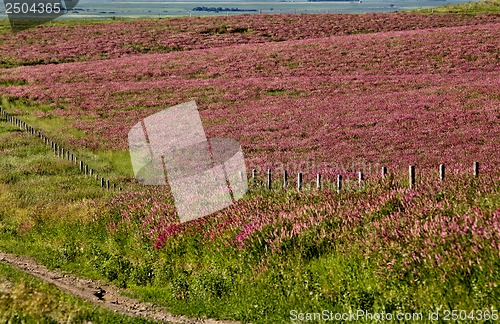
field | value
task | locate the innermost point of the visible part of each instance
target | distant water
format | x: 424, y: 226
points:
x: 88, y: 9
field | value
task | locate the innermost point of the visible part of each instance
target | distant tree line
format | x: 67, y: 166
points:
x: 328, y: 0
x: 219, y: 9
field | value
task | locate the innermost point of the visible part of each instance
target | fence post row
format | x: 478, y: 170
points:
x: 361, y: 177
x: 59, y: 151
x: 65, y: 154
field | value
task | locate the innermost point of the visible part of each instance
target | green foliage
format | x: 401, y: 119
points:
x: 155, y: 49
x: 143, y: 274
x: 473, y: 7
x: 114, y: 268
x: 163, y: 273
x: 69, y: 251
x: 9, y: 83
x: 180, y: 285
x: 212, y: 283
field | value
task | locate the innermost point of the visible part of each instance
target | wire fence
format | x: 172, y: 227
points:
x: 59, y: 150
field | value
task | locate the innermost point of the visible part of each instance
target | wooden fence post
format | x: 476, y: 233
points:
x: 384, y: 172
x: 318, y: 181
x: 269, y: 179
x: 412, y: 176
x: 441, y: 172
x: 299, y: 181
x: 361, y: 178
x: 339, y: 183
x: 476, y: 169
x: 285, y: 179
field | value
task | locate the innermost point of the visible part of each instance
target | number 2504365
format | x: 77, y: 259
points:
x: 477, y: 315
x: 32, y: 8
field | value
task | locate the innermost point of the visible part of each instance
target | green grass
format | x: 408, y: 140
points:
x: 114, y: 164
x: 25, y: 299
x: 479, y: 7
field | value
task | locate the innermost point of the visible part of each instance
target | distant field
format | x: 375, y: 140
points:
x: 313, y: 93
x: 473, y: 7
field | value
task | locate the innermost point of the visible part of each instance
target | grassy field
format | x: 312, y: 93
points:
x: 487, y: 6
x: 379, y: 247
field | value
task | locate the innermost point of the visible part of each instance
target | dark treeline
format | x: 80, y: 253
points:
x: 329, y: 0
x: 219, y: 9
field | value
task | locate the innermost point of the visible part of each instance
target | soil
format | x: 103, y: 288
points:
x: 98, y: 293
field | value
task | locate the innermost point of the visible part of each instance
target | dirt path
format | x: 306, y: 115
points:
x: 102, y: 295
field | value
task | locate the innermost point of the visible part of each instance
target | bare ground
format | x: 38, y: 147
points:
x: 99, y: 294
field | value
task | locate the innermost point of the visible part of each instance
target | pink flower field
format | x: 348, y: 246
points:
x: 406, y: 230
x: 423, y: 96
x: 103, y: 41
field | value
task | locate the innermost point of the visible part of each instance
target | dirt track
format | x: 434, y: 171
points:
x: 102, y: 295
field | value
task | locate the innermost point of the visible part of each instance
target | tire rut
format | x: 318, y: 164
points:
x: 99, y: 294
